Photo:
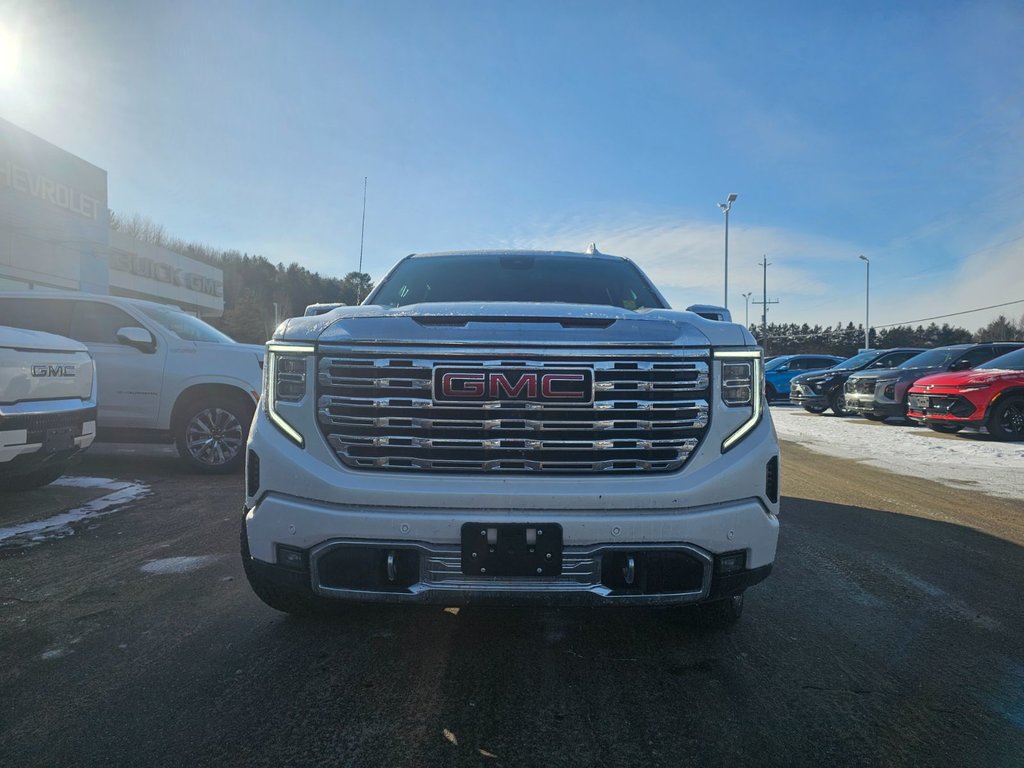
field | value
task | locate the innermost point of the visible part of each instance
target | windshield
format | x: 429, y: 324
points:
x: 515, y: 278
x: 185, y: 327
x: 933, y: 358
x: 857, y: 361
x: 1011, y: 361
x: 771, y: 365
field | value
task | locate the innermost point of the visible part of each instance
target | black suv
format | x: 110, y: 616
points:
x: 880, y: 394
x: 820, y: 390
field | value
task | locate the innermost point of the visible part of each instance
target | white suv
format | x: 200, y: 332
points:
x: 162, y: 373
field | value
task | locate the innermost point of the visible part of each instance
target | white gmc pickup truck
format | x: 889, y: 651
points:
x: 47, y: 406
x: 511, y: 427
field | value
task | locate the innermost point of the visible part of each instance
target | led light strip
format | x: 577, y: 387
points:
x: 755, y: 357
x: 273, y: 350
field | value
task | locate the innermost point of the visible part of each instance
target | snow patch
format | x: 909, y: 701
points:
x: 178, y: 564
x: 121, y: 493
x: 961, y: 462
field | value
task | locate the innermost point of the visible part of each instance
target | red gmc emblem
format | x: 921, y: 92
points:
x: 476, y: 384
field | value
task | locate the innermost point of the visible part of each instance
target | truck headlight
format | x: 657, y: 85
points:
x: 285, y: 380
x: 742, y: 387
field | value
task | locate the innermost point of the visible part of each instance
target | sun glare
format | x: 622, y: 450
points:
x: 10, y: 55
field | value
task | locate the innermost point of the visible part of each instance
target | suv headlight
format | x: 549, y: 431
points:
x: 285, y: 380
x: 742, y: 386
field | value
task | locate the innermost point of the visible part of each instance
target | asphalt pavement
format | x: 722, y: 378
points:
x: 890, y: 633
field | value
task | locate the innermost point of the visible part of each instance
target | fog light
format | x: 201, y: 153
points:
x: 732, y: 562
x: 290, y: 557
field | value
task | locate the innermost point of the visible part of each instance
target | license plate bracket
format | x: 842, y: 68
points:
x: 59, y: 439
x: 512, y: 549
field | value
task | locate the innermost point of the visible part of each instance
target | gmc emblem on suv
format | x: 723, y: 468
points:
x: 572, y: 385
x: 53, y: 371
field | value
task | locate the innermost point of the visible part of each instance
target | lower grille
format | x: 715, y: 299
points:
x: 942, y: 404
x: 37, y: 423
x: 379, y: 411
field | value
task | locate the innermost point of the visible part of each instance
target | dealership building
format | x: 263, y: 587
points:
x: 55, y: 234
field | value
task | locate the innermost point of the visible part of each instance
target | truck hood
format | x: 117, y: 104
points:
x: 972, y: 378
x: 20, y: 338
x: 514, y: 324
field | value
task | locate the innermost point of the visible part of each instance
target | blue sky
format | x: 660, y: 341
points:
x: 892, y: 130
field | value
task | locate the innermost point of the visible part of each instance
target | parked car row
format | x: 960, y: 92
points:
x: 946, y: 388
x: 162, y: 375
x: 820, y: 390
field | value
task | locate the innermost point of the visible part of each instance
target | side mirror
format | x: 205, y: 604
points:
x: 136, y: 337
x: 782, y: 368
x: 961, y: 365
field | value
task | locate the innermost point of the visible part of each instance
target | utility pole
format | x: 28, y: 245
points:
x: 764, y: 302
x: 726, y: 207
x: 867, y: 300
x: 362, y: 233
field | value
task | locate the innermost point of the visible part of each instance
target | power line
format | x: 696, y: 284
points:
x: 952, y: 314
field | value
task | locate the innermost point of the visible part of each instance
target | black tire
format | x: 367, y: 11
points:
x: 226, y: 420
x: 1006, y: 421
x: 35, y: 479
x: 770, y: 393
x: 837, y: 402
x: 946, y: 429
x: 298, y: 601
x: 815, y: 409
x: 720, y: 614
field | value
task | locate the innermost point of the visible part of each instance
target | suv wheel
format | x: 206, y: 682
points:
x: 211, y: 436
x: 1007, y: 420
x: 838, y: 403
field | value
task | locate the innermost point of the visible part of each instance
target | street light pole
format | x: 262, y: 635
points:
x: 867, y: 300
x: 746, y: 307
x: 726, y: 207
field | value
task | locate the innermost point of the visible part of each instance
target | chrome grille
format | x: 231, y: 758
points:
x: 649, y: 413
x: 860, y: 386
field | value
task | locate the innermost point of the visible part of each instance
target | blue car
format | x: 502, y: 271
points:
x: 779, y: 370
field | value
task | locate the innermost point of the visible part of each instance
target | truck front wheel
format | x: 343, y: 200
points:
x: 210, y: 436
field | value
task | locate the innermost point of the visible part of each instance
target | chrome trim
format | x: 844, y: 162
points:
x: 441, y: 579
x: 576, y: 349
x: 40, y: 407
x: 649, y: 414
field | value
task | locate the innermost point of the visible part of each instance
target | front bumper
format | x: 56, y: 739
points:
x: 27, y: 432
x: 595, y: 544
x: 859, y: 404
x: 805, y: 396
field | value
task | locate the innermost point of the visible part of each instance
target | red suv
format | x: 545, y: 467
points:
x: 991, y: 395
